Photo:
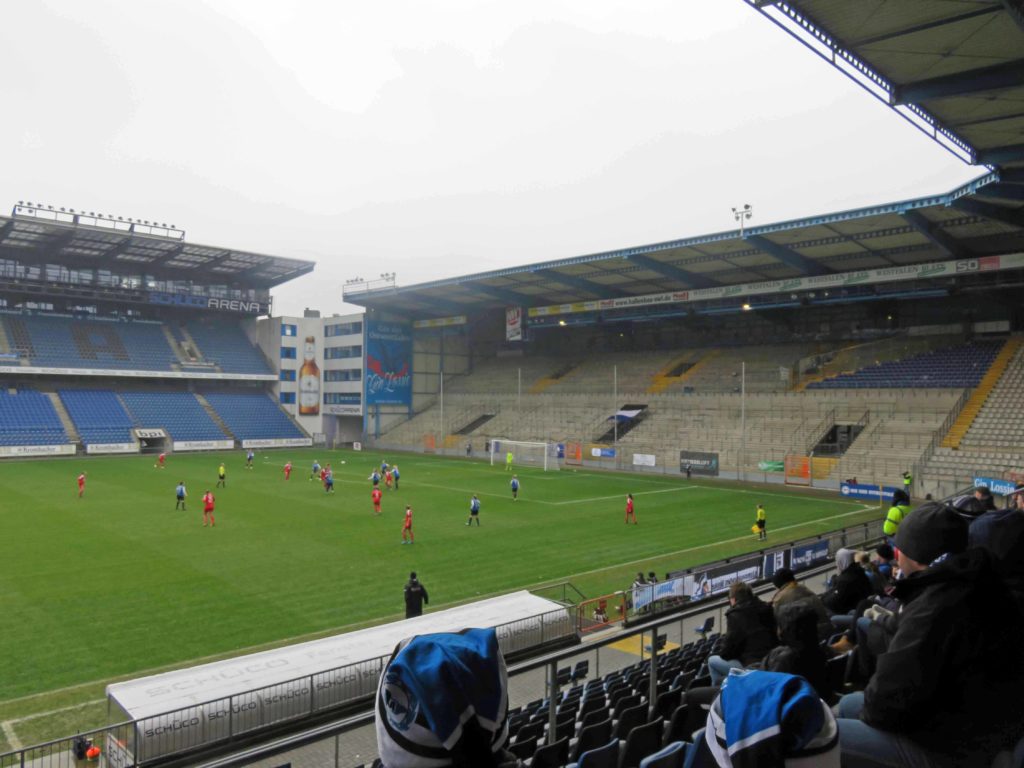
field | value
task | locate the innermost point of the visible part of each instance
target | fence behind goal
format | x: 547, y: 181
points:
x: 542, y: 455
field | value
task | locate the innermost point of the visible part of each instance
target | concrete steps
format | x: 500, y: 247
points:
x: 977, y: 399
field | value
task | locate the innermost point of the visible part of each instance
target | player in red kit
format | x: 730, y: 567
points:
x: 288, y: 471
x: 629, y: 508
x: 323, y: 476
x: 389, y: 478
x: 81, y: 485
x: 407, y: 526
x: 160, y: 461
x: 375, y: 494
x: 208, y: 500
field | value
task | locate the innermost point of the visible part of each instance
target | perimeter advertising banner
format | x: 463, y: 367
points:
x: 699, y: 462
x: 388, y: 363
x: 514, y: 324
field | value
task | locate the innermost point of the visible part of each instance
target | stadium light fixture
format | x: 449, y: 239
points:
x: 742, y: 215
x: 561, y: 322
x: 746, y: 306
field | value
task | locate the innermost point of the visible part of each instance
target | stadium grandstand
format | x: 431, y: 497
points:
x: 118, y: 335
x: 851, y: 354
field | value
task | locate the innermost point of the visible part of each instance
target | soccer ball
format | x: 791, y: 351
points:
x: 342, y: 461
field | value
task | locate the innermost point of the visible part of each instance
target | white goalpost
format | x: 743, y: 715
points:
x: 542, y: 455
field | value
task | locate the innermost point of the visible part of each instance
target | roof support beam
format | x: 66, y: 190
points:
x: 945, y: 243
x: 996, y: 155
x: 581, y: 284
x: 986, y: 11
x: 510, y: 297
x: 1006, y: 191
x: 990, y: 211
x: 687, y: 278
x: 787, y: 256
x: 1008, y: 75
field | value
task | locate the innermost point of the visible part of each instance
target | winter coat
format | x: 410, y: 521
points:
x: 952, y: 677
x: 750, y: 631
x: 851, y: 586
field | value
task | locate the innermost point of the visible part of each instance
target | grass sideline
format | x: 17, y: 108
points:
x: 118, y: 584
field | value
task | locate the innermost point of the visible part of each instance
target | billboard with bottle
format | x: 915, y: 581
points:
x: 309, y: 380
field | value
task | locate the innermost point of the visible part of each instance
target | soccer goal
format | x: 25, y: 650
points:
x: 543, y: 455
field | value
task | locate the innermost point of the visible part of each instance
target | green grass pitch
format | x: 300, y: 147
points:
x: 118, y: 582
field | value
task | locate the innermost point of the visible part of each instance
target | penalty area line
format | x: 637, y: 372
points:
x: 619, y: 495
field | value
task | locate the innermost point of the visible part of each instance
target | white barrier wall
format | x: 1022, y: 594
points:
x: 66, y: 449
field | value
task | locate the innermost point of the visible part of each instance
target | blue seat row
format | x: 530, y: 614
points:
x: 953, y: 367
x: 252, y: 416
x: 29, y: 418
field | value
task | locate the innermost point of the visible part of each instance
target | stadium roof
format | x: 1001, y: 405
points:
x: 954, y: 69
x: 957, y: 225
x: 93, y: 243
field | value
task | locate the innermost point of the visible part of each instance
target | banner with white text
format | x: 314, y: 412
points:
x: 388, y: 363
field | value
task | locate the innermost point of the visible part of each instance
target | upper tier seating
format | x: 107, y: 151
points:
x: 65, y: 342
x: 252, y: 416
x: 29, y: 418
x: 177, y: 412
x: 959, y: 366
x: 227, y: 346
x: 98, y: 415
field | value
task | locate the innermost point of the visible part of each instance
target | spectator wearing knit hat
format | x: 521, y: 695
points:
x: 947, y: 690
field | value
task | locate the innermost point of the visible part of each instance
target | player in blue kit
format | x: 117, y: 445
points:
x: 515, y: 488
x: 474, y: 511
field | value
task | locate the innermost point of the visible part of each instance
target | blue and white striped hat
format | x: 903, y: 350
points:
x: 442, y: 701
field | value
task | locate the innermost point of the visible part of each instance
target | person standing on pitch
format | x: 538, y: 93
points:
x: 515, y: 488
x: 81, y: 485
x: 208, y: 502
x: 761, y: 523
x: 394, y: 473
x: 288, y: 471
x: 629, y: 509
x: 248, y: 458
x: 908, y: 481
x: 508, y: 461
x: 180, y: 493
x: 474, y: 511
x: 222, y: 475
x: 375, y: 495
x: 415, y: 597
x: 407, y: 537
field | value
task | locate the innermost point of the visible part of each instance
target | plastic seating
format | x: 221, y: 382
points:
x: 228, y: 347
x: 602, y: 757
x: 252, y: 416
x: 642, y: 741
x: 629, y: 719
x: 29, y: 418
x: 592, y: 737
x: 177, y: 412
x: 671, y: 756
x: 553, y: 755
x: 98, y: 416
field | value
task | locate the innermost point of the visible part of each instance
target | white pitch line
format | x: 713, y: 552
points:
x: 619, y: 495
x: 707, y: 546
x: 10, y: 736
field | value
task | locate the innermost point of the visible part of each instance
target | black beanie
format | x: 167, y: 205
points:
x: 931, y: 530
x: 782, y: 577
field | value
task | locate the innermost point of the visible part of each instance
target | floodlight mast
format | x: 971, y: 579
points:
x: 741, y: 215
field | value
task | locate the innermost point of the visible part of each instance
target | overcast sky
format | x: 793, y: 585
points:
x: 437, y: 138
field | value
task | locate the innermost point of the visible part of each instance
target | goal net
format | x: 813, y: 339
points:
x: 542, y: 455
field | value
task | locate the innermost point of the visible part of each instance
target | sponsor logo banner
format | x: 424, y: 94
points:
x: 644, y: 459
x: 837, y: 280
x: 514, y: 324
x: 808, y: 555
x: 225, y: 305
x: 343, y: 410
x: 203, y: 445
x: 112, y: 448
x: 284, y: 442
x: 699, y: 462
x: 149, y: 434
x: 663, y: 590
x: 35, y: 370
x: 771, y: 466
x: 602, y: 453
x: 440, y: 322
x: 388, y: 363
x: 997, y: 486
x: 864, y: 491
x: 715, y: 581
x: 66, y: 449
x: 357, y: 446
x: 774, y: 561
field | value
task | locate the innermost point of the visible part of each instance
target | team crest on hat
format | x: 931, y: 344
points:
x: 401, y: 703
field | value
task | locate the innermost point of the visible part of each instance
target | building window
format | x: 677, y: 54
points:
x: 343, y: 329
x: 289, y: 330
x: 349, y: 374
x: 287, y: 353
x: 288, y: 398
x: 340, y: 353
x: 287, y: 375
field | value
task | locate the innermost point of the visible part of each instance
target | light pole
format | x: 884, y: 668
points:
x: 741, y: 214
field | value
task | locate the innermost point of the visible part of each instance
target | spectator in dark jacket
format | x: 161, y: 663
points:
x: 800, y: 653
x: 1001, y: 534
x: 947, y: 690
x: 749, y: 634
x: 415, y: 597
x: 789, y: 590
x: 851, y: 585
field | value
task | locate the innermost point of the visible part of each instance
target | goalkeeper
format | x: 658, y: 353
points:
x: 508, y: 461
